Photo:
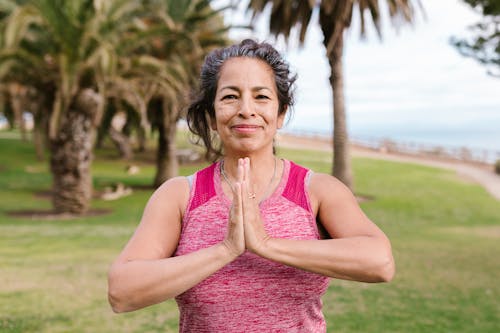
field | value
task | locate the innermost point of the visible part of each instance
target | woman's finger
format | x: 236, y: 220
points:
x: 235, y: 238
x: 240, y: 173
x: 247, y: 179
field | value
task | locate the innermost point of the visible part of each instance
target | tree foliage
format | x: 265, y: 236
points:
x: 334, y: 18
x: 483, y: 44
x: 78, y: 55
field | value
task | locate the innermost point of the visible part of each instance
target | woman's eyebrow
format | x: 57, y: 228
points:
x: 261, y: 88
x: 235, y: 88
x: 229, y: 87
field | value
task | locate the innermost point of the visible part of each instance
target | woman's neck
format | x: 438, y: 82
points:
x: 265, y: 172
x: 260, y: 163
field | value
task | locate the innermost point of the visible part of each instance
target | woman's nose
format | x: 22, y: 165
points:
x: 246, y: 108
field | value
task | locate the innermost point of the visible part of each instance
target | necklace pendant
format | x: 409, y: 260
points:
x: 251, y: 195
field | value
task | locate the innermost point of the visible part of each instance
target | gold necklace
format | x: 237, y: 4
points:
x: 250, y: 195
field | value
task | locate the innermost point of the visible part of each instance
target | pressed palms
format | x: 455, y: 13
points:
x: 334, y: 18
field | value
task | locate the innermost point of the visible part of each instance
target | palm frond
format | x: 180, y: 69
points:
x: 17, y: 24
x: 335, y: 16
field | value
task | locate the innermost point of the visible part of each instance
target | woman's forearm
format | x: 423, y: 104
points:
x: 138, y: 283
x: 360, y: 258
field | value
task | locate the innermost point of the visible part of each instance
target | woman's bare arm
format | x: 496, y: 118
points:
x: 358, y: 250
x: 145, y: 273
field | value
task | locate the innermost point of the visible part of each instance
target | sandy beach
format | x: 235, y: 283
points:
x: 480, y: 173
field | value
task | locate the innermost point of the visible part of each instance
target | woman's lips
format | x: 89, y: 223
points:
x: 245, y: 128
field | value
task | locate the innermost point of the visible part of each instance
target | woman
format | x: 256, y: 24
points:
x: 239, y: 244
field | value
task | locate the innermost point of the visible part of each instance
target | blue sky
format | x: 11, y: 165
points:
x: 412, y: 86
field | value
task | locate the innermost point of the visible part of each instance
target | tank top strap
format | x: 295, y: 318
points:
x: 203, y: 188
x: 296, y: 186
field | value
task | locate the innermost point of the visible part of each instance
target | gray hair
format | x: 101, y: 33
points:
x: 202, y: 107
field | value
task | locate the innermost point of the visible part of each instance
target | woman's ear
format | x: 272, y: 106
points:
x: 281, y: 117
x: 213, y: 123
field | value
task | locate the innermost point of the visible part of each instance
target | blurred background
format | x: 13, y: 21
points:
x: 92, y: 101
x: 409, y: 85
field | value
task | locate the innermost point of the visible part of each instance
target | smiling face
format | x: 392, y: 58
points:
x: 246, y: 106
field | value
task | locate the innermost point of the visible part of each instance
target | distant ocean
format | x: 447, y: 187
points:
x: 413, y: 87
x: 478, y: 136
x: 479, y: 133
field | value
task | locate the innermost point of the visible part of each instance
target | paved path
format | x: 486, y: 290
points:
x: 483, y: 175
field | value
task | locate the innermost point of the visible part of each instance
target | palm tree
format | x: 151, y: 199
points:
x: 64, y: 50
x: 201, y: 29
x: 80, y: 54
x: 13, y: 95
x: 20, y: 95
x: 334, y: 18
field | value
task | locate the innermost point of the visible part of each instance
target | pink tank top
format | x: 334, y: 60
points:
x: 251, y: 294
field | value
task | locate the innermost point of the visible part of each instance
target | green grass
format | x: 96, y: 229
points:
x: 445, y: 234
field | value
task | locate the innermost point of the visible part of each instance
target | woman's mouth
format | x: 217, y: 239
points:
x: 245, y: 128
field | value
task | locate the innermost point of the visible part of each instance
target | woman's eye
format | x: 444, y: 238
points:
x: 262, y: 97
x: 226, y: 97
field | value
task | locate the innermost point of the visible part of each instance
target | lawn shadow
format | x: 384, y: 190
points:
x: 51, y: 215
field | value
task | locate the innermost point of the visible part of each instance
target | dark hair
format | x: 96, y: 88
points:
x: 201, y: 110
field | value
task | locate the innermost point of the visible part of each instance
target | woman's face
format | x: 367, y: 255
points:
x: 246, y: 106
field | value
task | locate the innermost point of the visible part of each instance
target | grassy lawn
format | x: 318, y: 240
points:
x: 445, y: 234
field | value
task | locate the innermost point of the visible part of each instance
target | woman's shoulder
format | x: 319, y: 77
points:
x: 314, y: 177
x: 184, y: 183
x: 174, y: 183
x: 175, y: 189
x: 323, y: 185
x: 178, y: 189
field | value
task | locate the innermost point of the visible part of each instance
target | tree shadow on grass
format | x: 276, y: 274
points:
x: 364, y: 197
x: 51, y: 215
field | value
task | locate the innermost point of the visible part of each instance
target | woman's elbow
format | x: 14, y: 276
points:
x: 384, y: 262
x: 386, y: 269
x: 389, y: 271
x: 116, y: 305
x: 116, y: 302
x: 116, y: 295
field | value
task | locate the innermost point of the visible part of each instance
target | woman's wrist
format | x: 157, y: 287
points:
x: 262, y: 247
x: 228, y: 252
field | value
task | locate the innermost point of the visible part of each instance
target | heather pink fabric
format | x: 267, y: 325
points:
x: 251, y: 294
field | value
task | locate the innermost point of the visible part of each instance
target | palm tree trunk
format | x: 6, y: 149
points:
x: 341, y: 157
x: 121, y: 142
x: 71, y: 155
x: 167, y: 165
x: 40, y: 133
x: 141, y: 139
x: 105, y: 123
x: 16, y: 100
